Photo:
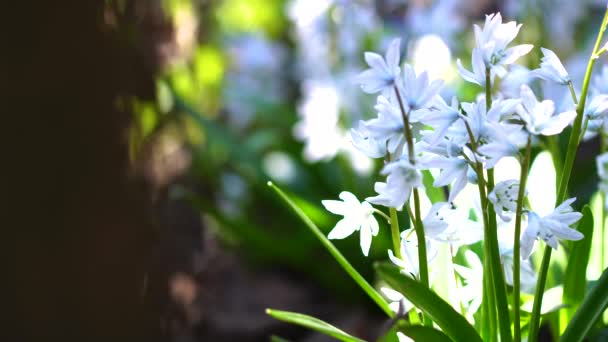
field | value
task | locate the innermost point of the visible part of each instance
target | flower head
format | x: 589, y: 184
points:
x: 383, y: 72
x: 416, y: 91
x: 551, y: 68
x: 597, y: 108
x: 478, y: 75
x: 409, y: 253
x: 365, y: 143
x: 402, y: 178
x: 550, y: 228
x: 504, y: 198
x: 539, y: 116
x: 357, y: 216
x: 388, y: 126
x: 492, y: 41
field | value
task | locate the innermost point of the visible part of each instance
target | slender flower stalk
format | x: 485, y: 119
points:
x: 564, y: 180
x: 395, y: 232
x: 422, y: 258
x: 516, y: 239
x: 491, y: 239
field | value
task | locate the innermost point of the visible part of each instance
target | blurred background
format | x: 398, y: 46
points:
x: 141, y: 134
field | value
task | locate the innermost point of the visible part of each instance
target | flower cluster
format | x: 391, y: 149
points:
x: 417, y: 132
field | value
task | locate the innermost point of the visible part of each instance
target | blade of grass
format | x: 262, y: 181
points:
x: 313, y: 324
x: 589, y: 312
x: 369, y: 290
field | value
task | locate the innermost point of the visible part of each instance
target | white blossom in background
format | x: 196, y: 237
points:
x: 527, y: 276
x: 551, y: 68
x: 318, y: 125
x: 383, y: 71
x: 504, y: 198
x: 550, y: 228
x: 408, y: 264
x: 253, y: 76
x: 358, y: 216
x: 602, y: 172
x: 471, y: 292
x: 444, y: 18
x: 397, y: 302
x: 432, y: 55
x: 597, y: 107
x: 540, y: 117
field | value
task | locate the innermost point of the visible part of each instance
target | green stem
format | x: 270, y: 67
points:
x: 603, y: 149
x: 395, y: 232
x: 422, y: 258
x: 572, y: 92
x: 564, y: 180
x: 498, y: 276
x: 489, y: 289
x: 516, y: 239
x: 491, y: 238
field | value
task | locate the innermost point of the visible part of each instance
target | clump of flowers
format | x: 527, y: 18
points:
x: 459, y: 146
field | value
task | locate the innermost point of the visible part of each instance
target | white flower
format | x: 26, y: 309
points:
x: 416, y: 92
x: 602, y: 172
x: 492, y: 41
x: 441, y: 118
x: 473, y: 281
x: 436, y: 220
x: 367, y: 145
x: 602, y: 166
x: 527, y: 276
x: 551, y: 68
x: 501, y: 140
x: 397, y: 300
x: 504, y: 198
x: 538, y: 116
x: 388, y: 126
x: 402, y: 178
x: 597, y: 108
x: 357, y: 216
x: 478, y: 76
x: 451, y: 225
x: 408, y: 263
x: 403, y: 338
x: 550, y: 228
x: 453, y: 171
x: 383, y: 72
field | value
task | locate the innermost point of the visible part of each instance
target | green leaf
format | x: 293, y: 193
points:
x: 275, y: 338
x: 588, y: 313
x: 312, y: 323
x: 422, y: 333
x: 575, y: 280
x: 442, y: 313
x: 371, y: 292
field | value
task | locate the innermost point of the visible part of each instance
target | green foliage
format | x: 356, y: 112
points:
x: 589, y: 312
x: 575, y: 281
x: 450, y: 321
